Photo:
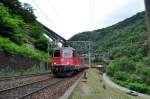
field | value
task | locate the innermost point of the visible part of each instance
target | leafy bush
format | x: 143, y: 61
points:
x: 134, y: 86
x: 138, y: 87
x: 11, y: 48
x: 134, y: 78
x: 146, y: 61
x: 122, y: 83
x: 121, y: 64
x: 42, y: 43
x: 10, y: 26
x: 119, y: 75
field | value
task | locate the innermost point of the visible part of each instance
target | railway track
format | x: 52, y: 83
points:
x: 21, y: 91
x: 29, y: 95
x: 50, y: 88
x: 22, y: 77
x: 56, y: 90
x: 8, y: 84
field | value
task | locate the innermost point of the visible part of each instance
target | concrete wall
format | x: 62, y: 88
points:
x: 9, y: 62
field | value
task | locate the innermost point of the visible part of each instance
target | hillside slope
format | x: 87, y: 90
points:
x: 20, y: 33
x: 123, y: 47
x: 130, y: 30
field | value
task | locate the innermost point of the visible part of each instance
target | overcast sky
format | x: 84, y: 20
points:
x: 69, y: 17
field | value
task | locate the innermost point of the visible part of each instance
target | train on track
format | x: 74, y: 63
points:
x: 66, y: 61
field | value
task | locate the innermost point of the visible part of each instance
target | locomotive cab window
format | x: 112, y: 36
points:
x: 67, y: 53
x: 56, y: 53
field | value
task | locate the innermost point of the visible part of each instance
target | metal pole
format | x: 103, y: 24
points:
x: 89, y: 54
x: 48, y: 48
x: 48, y: 54
x: 147, y: 7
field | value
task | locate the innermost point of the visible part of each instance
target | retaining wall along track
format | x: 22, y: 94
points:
x: 14, y: 62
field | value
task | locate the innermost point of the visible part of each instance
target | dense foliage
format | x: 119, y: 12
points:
x: 11, y: 48
x: 123, y: 47
x: 18, y: 25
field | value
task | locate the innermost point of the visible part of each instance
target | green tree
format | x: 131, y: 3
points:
x: 119, y: 75
x: 42, y: 43
x: 26, y: 12
x: 10, y: 26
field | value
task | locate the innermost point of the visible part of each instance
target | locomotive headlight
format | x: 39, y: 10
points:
x: 68, y: 63
x: 55, y: 63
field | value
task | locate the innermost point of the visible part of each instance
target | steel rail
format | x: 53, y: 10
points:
x: 47, y: 86
x: 7, y: 89
x: 22, y: 77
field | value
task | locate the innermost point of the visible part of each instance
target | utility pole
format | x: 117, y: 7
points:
x: 48, y: 53
x: 147, y: 7
x: 89, y: 54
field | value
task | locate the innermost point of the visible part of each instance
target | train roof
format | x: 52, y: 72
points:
x: 59, y: 48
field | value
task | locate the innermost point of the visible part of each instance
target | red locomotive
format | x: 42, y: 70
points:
x: 66, y: 61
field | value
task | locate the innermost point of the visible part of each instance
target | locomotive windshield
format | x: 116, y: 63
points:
x: 57, y: 53
x: 67, y: 53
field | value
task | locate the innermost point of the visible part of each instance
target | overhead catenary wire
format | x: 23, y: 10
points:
x: 52, y: 6
x: 91, y: 22
x: 91, y: 12
x: 50, y: 21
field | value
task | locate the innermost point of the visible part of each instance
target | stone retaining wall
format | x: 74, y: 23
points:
x: 14, y: 62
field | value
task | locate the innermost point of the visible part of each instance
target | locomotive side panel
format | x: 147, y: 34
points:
x: 66, y: 60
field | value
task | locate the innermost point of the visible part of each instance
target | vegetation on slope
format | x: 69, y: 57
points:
x: 123, y: 47
x: 11, y: 48
x: 18, y: 26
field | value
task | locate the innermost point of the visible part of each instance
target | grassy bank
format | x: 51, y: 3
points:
x: 98, y: 89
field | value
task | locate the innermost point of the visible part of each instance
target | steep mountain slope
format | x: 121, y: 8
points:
x: 123, y: 47
x: 19, y: 30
